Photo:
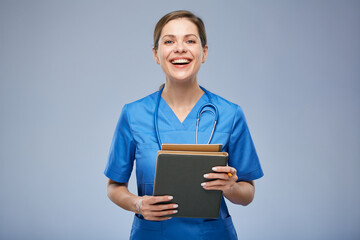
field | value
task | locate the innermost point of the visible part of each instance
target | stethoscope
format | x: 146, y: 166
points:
x: 207, y: 107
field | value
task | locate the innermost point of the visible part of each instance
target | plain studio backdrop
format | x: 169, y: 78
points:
x: 68, y: 67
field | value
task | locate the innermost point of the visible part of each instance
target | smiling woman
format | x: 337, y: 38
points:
x: 180, y: 48
x: 180, y: 52
x: 199, y: 35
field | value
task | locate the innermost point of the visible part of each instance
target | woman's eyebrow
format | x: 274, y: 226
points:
x: 173, y: 36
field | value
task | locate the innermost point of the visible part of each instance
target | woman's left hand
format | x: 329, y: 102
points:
x: 225, y: 179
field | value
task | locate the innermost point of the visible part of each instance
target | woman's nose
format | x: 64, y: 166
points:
x: 180, y: 48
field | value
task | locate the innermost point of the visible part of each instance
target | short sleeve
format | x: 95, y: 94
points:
x: 242, y: 153
x: 122, y: 151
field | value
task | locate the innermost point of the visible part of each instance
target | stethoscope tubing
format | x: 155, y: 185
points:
x: 204, y: 108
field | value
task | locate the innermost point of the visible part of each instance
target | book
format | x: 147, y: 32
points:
x: 192, y: 147
x: 180, y: 174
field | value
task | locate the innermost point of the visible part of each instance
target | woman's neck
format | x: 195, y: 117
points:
x: 182, y: 94
x: 182, y: 97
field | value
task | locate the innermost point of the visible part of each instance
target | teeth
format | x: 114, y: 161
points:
x: 180, y: 61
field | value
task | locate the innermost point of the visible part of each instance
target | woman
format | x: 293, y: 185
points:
x: 180, y: 48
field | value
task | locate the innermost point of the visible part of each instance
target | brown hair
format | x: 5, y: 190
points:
x: 175, y: 15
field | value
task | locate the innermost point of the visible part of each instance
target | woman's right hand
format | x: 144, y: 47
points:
x: 148, y: 207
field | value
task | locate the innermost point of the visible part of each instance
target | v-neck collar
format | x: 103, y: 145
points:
x: 190, y: 118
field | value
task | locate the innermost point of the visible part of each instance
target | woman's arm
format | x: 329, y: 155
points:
x: 237, y: 192
x: 145, y: 205
x: 119, y: 194
x: 241, y: 193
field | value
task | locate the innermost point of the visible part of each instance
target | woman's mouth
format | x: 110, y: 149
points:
x: 181, y: 61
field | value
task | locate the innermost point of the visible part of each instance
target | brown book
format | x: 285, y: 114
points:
x: 192, y: 147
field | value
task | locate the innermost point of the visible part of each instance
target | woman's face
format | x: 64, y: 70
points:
x: 179, y: 52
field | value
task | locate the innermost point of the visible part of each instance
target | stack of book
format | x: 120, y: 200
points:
x: 180, y: 170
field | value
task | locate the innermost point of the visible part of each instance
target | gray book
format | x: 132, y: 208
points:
x: 180, y: 174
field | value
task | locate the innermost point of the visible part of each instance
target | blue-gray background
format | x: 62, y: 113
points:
x: 68, y: 67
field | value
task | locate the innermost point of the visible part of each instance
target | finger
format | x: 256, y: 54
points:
x: 163, y: 213
x: 162, y: 207
x: 216, y: 175
x: 219, y: 188
x: 219, y: 183
x: 157, y: 199
x: 225, y: 169
x: 222, y: 169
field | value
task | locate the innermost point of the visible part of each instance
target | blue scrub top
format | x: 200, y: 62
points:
x: 135, y: 139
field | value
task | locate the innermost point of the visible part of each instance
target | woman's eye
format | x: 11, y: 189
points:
x: 191, y: 41
x: 168, y: 42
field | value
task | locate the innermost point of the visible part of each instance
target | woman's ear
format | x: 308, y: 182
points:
x: 155, y: 55
x: 205, y: 53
